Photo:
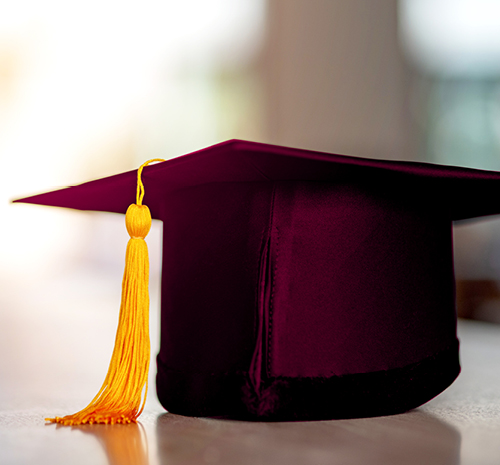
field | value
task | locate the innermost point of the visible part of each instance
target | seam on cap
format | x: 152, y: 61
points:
x: 269, y: 316
x: 271, y: 300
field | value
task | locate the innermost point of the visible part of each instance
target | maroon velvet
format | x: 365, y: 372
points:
x: 343, y: 283
x: 298, y: 284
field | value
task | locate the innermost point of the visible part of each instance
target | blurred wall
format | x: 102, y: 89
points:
x: 334, y: 78
x: 453, y: 47
x: 95, y: 88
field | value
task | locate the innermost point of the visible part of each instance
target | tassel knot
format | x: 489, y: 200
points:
x: 138, y: 221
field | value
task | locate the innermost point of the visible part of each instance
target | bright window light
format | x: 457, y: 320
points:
x: 452, y: 37
x: 88, y: 89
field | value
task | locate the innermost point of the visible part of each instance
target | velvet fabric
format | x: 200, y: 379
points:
x: 292, y: 289
x: 301, y: 285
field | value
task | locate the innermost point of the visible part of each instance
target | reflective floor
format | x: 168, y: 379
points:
x: 52, y: 366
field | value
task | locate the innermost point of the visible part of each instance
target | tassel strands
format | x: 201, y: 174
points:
x: 120, y: 398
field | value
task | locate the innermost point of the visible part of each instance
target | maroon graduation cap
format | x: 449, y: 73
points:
x: 297, y: 284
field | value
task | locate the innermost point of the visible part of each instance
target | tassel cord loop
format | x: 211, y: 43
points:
x: 140, y: 185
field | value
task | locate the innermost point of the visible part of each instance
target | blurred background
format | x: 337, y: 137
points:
x: 89, y: 89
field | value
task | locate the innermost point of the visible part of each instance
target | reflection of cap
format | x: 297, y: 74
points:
x: 298, y: 284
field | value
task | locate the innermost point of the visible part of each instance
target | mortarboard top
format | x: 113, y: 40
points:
x: 299, y: 284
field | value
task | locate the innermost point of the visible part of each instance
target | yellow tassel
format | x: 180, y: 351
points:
x: 120, y: 398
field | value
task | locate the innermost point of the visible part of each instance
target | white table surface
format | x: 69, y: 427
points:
x: 51, y: 366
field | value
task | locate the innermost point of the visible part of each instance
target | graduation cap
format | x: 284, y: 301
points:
x: 295, y: 284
